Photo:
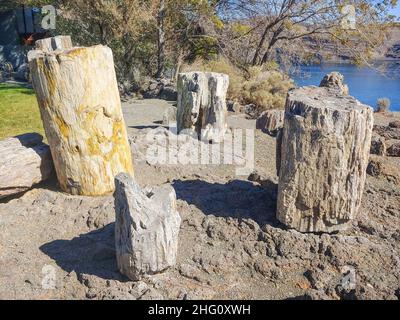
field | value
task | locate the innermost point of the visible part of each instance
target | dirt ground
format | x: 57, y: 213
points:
x: 58, y: 246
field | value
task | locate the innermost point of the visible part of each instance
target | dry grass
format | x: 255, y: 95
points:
x: 383, y: 105
x: 19, y: 112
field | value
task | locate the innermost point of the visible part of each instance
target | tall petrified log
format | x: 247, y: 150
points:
x: 202, y: 104
x: 81, y: 111
x: 24, y: 161
x: 325, y: 147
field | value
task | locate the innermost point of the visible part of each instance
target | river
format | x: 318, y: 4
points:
x: 366, y: 84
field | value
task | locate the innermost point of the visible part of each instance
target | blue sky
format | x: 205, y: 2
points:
x: 396, y: 11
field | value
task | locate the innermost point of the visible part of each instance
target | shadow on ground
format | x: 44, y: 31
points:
x: 236, y: 199
x: 91, y: 253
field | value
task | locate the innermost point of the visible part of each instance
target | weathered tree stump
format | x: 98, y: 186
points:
x: 81, y: 112
x: 24, y: 161
x: 202, y: 104
x: 326, y: 141
x: 146, y: 228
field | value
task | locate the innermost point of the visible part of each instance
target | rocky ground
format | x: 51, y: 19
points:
x: 57, y: 246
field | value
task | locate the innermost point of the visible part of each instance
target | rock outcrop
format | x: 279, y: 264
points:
x: 325, y: 148
x: 82, y: 117
x: 271, y: 121
x: 202, y: 104
x: 335, y: 80
x: 24, y: 161
x: 146, y: 228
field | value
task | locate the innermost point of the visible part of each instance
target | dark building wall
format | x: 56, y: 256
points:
x: 11, y: 49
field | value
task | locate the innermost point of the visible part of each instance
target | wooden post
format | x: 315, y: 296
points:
x: 324, y: 155
x: 81, y: 112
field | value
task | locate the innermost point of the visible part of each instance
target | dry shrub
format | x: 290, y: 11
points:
x: 383, y: 105
x: 266, y: 87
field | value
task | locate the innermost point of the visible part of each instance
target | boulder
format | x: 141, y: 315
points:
x: 378, y: 145
x: 271, y: 121
x: 394, y: 150
x: 202, y: 104
x: 324, y: 156
x: 146, y: 228
x: 335, y: 80
x: 24, y: 161
x: 395, y: 124
x: 380, y: 168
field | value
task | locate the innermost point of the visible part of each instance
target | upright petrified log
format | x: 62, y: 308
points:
x: 325, y: 148
x: 202, y: 104
x: 146, y: 228
x: 81, y: 111
x: 24, y: 161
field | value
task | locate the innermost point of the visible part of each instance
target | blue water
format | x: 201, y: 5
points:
x: 366, y: 84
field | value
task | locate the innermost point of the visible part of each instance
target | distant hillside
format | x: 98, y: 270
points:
x: 391, y: 49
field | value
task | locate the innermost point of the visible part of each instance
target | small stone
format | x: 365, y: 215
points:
x: 394, y: 150
x: 395, y: 124
x: 378, y: 145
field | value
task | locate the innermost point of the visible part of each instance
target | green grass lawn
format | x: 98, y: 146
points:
x: 19, y: 111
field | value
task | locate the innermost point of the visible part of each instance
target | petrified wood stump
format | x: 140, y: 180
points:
x: 146, y: 228
x: 325, y: 148
x: 24, y: 161
x: 81, y: 112
x: 202, y: 104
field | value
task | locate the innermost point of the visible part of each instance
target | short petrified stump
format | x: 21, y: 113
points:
x: 325, y: 147
x: 202, y: 104
x: 81, y: 112
x: 146, y: 228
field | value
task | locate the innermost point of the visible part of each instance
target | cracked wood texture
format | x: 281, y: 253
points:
x: 324, y: 155
x: 24, y: 161
x: 81, y: 112
x: 202, y: 104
